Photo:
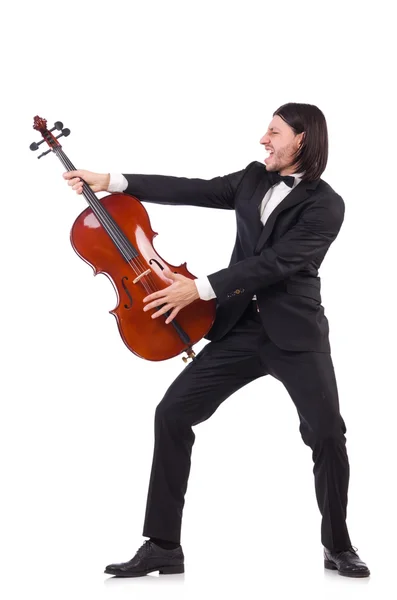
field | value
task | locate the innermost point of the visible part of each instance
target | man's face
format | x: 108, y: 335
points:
x: 282, y: 144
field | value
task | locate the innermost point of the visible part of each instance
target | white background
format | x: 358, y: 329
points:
x: 187, y: 88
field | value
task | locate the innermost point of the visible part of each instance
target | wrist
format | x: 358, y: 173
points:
x: 105, y: 182
x: 204, y: 288
x: 195, y: 292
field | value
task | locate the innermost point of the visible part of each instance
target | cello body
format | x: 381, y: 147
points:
x: 148, y: 338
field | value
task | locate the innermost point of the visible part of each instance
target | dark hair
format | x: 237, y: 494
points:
x: 312, y: 155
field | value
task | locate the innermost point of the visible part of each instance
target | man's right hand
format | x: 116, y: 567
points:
x: 98, y: 182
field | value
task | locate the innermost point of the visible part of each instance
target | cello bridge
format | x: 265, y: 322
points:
x: 142, y: 275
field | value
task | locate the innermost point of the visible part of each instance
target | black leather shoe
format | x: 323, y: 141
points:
x: 348, y: 563
x: 149, y: 558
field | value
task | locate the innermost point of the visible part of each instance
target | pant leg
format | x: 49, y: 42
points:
x: 220, y: 369
x: 309, y: 378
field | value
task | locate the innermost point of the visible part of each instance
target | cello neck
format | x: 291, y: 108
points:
x: 89, y: 195
x: 108, y: 223
x: 104, y: 218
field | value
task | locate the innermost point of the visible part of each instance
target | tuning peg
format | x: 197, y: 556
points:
x: 65, y: 132
x: 58, y: 125
x: 35, y: 145
x: 44, y: 153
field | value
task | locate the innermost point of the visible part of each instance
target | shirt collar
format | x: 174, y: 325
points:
x: 297, y: 178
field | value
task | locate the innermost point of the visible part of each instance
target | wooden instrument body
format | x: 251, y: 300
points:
x: 148, y: 338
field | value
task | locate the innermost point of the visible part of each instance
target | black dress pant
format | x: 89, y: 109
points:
x: 221, y: 368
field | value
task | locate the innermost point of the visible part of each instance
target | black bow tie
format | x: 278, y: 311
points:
x: 276, y: 178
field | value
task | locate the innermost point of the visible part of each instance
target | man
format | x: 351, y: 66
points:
x: 269, y: 320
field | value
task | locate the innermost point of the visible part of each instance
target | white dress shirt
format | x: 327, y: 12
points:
x: 272, y: 198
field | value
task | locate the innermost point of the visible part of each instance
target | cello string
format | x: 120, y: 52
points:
x: 113, y: 226
x: 98, y: 208
x: 116, y: 237
x: 149, y: 286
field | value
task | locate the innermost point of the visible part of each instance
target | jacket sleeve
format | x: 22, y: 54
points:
x: 310, y: 237
x: 218, y: 192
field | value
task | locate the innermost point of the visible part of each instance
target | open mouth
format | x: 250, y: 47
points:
x: 268, y: 159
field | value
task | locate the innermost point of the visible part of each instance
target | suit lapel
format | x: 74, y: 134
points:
x: 255, y: 224
x: 298, y: 194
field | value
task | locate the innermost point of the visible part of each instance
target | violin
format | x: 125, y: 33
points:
x: 114, y: 236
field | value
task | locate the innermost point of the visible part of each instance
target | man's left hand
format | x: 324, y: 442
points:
x: 179, y: 294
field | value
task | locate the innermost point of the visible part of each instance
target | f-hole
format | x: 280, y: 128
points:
x: 126, y: 291
x: 152, y: 260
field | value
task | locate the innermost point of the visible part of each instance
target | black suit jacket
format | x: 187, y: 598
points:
x: 278, y: 262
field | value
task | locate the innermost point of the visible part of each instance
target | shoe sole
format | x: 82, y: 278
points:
x: 170, y: 570
x: 332, y: 567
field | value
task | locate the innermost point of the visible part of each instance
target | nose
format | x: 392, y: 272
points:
x: 264, y: 139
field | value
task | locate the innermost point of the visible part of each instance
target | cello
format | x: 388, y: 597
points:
x: 114, y: 236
